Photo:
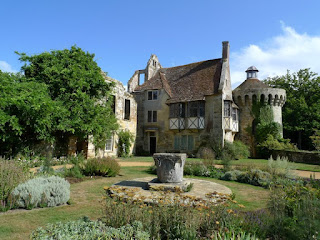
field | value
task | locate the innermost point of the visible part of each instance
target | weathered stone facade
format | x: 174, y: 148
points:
x: 174, y: 109
x: 128, y: 122
x: 178, y: 106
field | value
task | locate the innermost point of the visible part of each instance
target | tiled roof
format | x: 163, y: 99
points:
x: 189, y: 82
x: 251, y: 83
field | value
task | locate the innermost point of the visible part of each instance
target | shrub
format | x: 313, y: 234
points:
x: 241, y: 150
x: 279, y: 167
x: 271, y: 143
x: 202, y: 170
x: 295, y: 211
x: 206, y: 153
x: 125, y: 141
x: 195, y: 169
x: 316, y: 139
x: 75, y: 172
x: 231, y: 175
x: 107, y: 167
x: 89, y: 230
x: 171, y: 221
x: 76, y: 160
x: 42, y: 191
x: 11, y: 174
x: 254, y: 177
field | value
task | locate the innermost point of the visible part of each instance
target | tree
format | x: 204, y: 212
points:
x: 301, y: 112
x: 76, y: 85
x: 26, y: 113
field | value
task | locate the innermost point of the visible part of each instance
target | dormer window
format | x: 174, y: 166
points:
x: 153, y: 95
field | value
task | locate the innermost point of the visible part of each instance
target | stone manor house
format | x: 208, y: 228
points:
x: 174, y: 109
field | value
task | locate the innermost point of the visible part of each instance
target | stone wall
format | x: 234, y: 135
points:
x: 298, y: 156
x: 121, y: 95
x: 161, y: 130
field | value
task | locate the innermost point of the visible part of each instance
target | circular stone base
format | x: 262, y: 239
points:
x: 137, y: 189
x: 155, y: 185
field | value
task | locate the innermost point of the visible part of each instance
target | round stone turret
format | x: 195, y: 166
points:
x: 253, y: 90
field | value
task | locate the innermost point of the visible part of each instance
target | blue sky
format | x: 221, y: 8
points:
x: 272, y: 35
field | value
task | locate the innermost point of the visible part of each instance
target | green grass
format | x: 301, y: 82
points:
x: 264, y: 163
x: 147, y: 159
x: 252, y: 197
x: 87, y: 200
x: 242, y: 162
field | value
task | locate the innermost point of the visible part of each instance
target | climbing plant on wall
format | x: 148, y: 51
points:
x: 264, y: 123
x: 125, y: 142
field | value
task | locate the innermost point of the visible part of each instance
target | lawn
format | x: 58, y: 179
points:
x: 86, y: 200
x: 259, y: 163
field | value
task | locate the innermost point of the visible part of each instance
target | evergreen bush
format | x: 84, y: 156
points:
x: 89, y: 230
x: 42, y: 191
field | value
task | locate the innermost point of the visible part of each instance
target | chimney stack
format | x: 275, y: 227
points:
x: 225, y: 50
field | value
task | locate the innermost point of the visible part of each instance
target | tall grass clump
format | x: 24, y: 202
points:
x: 295, y: 212
x: 11, y: 175
x: 279, y: 167
x: 107, y: 167
x: 42, y: 192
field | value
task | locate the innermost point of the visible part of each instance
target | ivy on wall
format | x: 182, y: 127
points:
x: 125, y: 142
x: 263, y: 123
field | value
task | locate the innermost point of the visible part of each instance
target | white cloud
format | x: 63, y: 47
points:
x: 288, y: 51
x: 6, y: 67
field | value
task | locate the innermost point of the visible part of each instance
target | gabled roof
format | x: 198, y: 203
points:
x: 189, y: 82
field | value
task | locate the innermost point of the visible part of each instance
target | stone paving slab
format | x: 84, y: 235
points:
x: 201, y: 191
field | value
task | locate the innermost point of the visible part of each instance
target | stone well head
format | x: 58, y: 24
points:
x: 170, y: 166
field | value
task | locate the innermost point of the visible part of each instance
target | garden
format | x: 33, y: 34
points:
x: 267, y: 201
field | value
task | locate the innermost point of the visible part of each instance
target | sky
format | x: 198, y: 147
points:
x: 274, y: 36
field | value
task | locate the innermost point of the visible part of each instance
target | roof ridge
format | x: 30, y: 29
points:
x: 164, y: 68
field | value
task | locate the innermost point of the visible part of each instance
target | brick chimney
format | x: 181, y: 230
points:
x: 225, y: 50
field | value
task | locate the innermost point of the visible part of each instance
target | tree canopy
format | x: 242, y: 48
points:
x: 301, y: 112
x: 60, y: 93
x: 26, y: 113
